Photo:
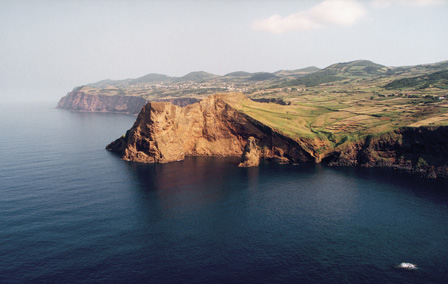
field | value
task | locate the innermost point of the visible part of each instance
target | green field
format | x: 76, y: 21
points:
x: 338, y: 110
x: 341, y: 101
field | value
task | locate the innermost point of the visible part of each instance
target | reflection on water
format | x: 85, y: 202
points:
x: 189, y: 185
x: 252, y: 178
x: 332, y: 193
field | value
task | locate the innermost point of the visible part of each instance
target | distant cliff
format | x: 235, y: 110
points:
x: 78, y: 100
x: 213, y: 127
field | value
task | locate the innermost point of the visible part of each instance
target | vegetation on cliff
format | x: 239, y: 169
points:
x: 233, y: 125
x: 353, y: 113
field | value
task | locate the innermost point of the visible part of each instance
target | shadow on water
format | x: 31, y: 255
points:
x: 198, y: 182
x: 175, y: 189
x: 434, y: 190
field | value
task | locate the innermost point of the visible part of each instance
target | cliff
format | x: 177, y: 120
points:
x: 80, y: 100
x: 216, y: 126
x: 422, y: 150
x: 213, y: 127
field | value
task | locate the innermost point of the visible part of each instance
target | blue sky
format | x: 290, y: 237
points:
x: 49, y: 47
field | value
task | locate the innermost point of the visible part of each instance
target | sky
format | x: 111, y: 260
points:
x: 48, y: 47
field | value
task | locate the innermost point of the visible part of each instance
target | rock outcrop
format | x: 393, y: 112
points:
x: 251, y: 154
x: 165, y: 133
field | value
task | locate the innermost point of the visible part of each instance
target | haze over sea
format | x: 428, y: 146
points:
x: 71, y: 212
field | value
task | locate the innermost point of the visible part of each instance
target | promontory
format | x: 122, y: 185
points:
x: 233, y: 125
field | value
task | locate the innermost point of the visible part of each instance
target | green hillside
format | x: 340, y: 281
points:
x: 341, y: 71
x: 197, y: 76
x: 436, y: 79
x: 150, y: 78
x: 239, y: 74
x: 262, y: 76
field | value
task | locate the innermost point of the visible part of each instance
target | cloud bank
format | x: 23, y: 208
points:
x: 418, y: 3
x: 341, y: 13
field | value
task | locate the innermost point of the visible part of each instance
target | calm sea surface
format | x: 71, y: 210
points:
x: 71, y: 212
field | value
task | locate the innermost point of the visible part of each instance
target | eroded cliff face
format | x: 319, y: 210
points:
x: 77, y: 100
x: 251, y: 154
x: 164, y: 133
x: 422, y: 150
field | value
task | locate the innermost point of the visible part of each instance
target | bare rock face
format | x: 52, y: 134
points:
x: 78, y: 100
x: 251, y: 155
x: 165, y: 133
x: 212, y: 127
x: 422, y: 150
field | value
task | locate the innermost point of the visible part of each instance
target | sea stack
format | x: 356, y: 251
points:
x: 251, y: 154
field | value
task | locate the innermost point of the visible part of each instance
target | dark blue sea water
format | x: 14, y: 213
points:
x: 71, y: 212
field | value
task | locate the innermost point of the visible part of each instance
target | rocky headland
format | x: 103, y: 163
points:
x: 218, y: 126
x: 82, y: 101
x: 165, y: 133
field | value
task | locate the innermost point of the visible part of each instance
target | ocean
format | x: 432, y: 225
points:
x: 72, y: 212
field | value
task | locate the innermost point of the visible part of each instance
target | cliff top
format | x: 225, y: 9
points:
x: 327, y: 119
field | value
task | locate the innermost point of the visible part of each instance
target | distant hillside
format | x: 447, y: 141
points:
x: 150, y: 78
x: 239, y: 74
x: 341, y: 71
x: 437, y: 79
x: 197, y: 76
x: 355, y: 77
x: 418, y: 69
x: 296, y: 73
x: 314, y: 79
x: 262, y: 76
x: 309, y: 76
x: 358, y: 68
x: 107, y: 82
x: 309, y: 69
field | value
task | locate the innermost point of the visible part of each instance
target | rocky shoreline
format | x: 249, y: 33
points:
x: 164, y: 133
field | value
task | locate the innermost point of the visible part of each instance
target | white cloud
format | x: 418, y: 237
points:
x: 328, y: 13
x: 418, y: 3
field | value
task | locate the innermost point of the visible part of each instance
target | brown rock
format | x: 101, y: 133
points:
x: 422, y: 150
x: 212, y: 127
x: 78, y: 100
x: 251, y: 154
